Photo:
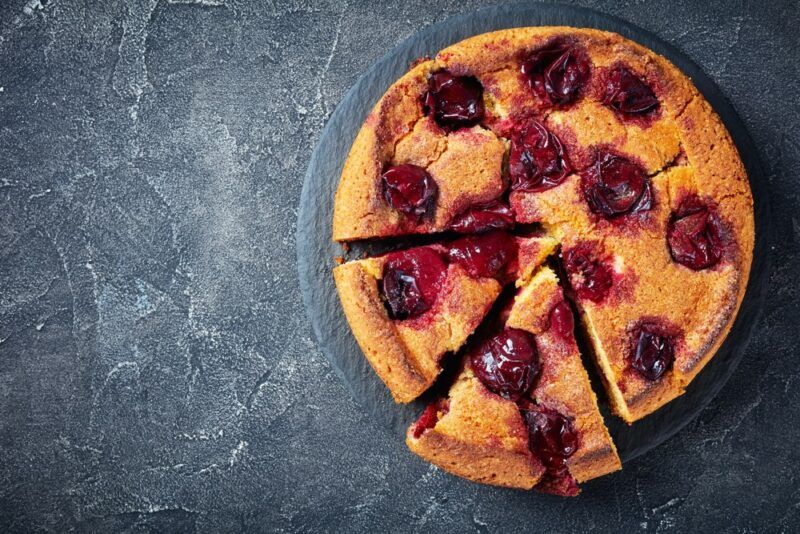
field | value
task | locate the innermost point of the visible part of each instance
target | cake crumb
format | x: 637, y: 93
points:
x: 416, y: 61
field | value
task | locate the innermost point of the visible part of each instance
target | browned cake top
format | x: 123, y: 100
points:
x: 599, y: 144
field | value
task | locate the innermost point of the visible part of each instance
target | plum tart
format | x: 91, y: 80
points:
x: 510, y: 147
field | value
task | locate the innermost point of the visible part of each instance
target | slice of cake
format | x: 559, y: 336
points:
x: 521, y: 412
x: 407, y: 309
x: 563, y: 387
x: 422, y: 162
x: 477, y: 435
x: 657, y: 302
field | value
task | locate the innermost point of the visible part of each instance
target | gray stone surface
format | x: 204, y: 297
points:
x: 156, y: 368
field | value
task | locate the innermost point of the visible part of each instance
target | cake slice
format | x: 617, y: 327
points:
x: 563, y: 386
x: 521, y: 412
x: 653, y: 321
x: 421, y: 162
x: 477, y: 435
x: 657, y: 285
x: 407, y: 309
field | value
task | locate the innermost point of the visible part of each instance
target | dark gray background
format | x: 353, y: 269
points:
x: 156, y: 368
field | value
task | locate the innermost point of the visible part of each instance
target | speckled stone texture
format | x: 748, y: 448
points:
x: 157, y: 372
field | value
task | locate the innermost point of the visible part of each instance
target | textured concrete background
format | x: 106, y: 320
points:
x: 156, y: 368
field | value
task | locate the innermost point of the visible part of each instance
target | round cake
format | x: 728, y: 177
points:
x: 561, y: 169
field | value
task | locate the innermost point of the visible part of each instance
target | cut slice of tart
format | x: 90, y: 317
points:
x: 407, y: 309
x: 420, y: 161
x: 477, y: 435
x: 521, y: 412
x: 657, y: 302
x: 563, y: 386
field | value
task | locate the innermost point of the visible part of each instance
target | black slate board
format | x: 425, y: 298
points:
x: 315, y: 251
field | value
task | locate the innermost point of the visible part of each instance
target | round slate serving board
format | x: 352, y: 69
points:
x: 316, y: 251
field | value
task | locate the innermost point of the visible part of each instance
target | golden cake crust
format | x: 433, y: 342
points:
x: 481, y: 437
